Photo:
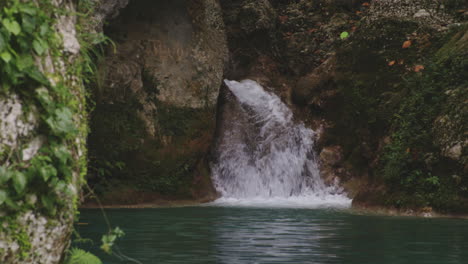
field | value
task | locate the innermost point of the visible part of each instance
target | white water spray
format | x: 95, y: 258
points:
x: 264, y: 158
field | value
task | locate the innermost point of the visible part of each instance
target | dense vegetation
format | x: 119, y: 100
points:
x: 388, y: 87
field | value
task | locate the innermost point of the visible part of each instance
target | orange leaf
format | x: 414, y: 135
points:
x: 358, y: 12
x: 365, y: 4
x: 418, y: 68
x: 391, y: 63
x: 406, y: 44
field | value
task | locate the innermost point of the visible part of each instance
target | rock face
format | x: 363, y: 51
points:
x: 353, y: 89
x: 403, y: 140
x: 38, y: 195
x: 158, y: 92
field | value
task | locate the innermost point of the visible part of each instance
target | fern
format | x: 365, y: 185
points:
x: 79, y: 256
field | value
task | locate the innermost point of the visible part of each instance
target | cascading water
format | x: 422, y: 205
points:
x: 263, y: 157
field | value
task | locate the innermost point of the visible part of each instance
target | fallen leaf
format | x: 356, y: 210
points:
x: 408, y: 150
x: 344, y: 35
x: 401, y: 62
x: 358, y: 12
x: 391, y: 63
x: 365, y: 4
x: 312, y: 30
x: 418, y: 68
x: 406, y: 44
x: 353, y: 29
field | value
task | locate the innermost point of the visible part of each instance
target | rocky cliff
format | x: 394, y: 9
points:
x: 155, y: 100
x: 43, y: 129
x: 375, y: 79
x: 383, y: 82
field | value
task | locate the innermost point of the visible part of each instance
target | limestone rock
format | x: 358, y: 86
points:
x: 454, y: 152
x: 30, y: 236
x: 421, y: 13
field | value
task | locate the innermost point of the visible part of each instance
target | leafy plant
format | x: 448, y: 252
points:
x: 109, y: 239
x: 79, y: 256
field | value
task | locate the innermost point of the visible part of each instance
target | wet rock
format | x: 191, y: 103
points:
x: 309, y: 88
x: 454, y: 152
x: 331, y: 155
x: 159, y: 89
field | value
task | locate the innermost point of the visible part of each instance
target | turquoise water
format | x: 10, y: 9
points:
x: 276, y: 235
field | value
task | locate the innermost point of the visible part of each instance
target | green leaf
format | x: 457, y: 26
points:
x: 48, y: 203
x: 44, y: 97
x: 28, y: 9
x: 344, y: 35
x: 47, y: 171
x: 29, y: 24
x: 6, y: 56
x: 38, y: 48
x: 62, y: 153
x: 62, y: 122
x: 3, y: 196
x: 12, y: 26
x: 12, y: 204
x: 79, y: 256
x: 3, y: 42
x: 19, y: 181
x: 43, y: 29
x: 5, y: 174
x: 24, y: 61
x: 35, y: 74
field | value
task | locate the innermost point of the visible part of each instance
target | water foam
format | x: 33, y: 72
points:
x: 265, y: 159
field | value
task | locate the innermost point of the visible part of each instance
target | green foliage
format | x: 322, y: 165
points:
x: 404, y: 160
x: 79, y: 256
x: 26, y: 30
x: 109, y: 239
x: 27, y: 36
x: 383, y: 95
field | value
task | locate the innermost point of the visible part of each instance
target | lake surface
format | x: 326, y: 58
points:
x: 216, y: 234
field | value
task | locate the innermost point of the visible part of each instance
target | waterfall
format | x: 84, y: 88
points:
x: 264, y: 157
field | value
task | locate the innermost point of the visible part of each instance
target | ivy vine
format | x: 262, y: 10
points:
x: 28, y: 38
